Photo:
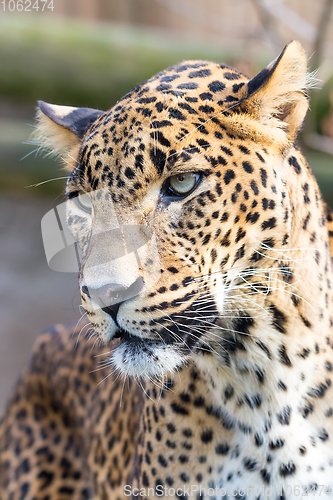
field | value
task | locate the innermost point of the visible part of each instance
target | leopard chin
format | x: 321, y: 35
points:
x: 137, y: 356
x: 142, y: 357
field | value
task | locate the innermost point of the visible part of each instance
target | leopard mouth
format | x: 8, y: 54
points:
x: 132, y: 339
x: 135, y: 355
x: 122, y: 335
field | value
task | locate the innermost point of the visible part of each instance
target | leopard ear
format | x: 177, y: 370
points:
x: 60, y: 129
x: 277, y: 96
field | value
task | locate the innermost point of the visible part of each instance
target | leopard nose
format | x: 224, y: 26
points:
x: 109, y: 297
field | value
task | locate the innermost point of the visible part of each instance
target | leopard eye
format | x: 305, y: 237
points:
x: 84, y: 202
x: 183, y: 184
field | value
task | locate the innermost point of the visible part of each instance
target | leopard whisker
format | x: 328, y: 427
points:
x: 205, y: 122
x: 95, y: 342
x: 170, y: 331
x: 79, y: 334
x: 107, y: 376
x: 122, y: 392
x: 217, y: 327
x: 210, y: 348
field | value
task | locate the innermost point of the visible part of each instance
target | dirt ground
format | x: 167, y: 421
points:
x: 32, y: 297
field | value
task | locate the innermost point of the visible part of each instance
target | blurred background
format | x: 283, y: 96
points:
x: 90, y: 53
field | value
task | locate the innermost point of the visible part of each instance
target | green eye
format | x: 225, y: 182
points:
x: 182, y: 184
x: 84, y: 202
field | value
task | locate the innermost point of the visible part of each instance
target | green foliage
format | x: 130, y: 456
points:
x: 321, y: 104
x: 81, y: 64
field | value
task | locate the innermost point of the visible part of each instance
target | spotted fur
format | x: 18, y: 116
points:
x: 219, y: 374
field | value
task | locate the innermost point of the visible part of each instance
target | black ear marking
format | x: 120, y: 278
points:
x: 278, y: 96
x: 262, y: 78
x: 77, y: 120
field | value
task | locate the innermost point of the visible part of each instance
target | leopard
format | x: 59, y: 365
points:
x: 202, y: 366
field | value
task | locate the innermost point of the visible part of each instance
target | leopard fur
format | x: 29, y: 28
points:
x: 216, y: 381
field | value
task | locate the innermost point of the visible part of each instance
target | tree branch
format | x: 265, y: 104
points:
x: 321, y: 34
x: 268, y: 23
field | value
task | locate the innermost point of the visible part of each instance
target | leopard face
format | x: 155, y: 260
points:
x: 189, y: 169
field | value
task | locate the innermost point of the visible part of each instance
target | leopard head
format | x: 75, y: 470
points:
x: 174, y: 193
